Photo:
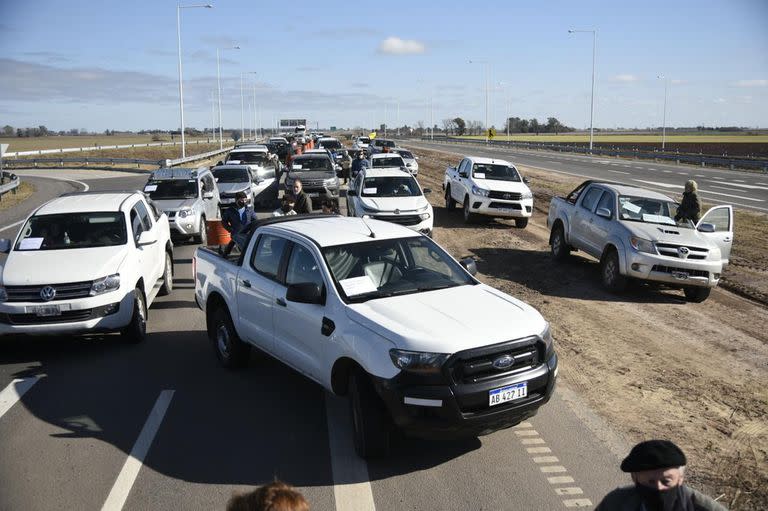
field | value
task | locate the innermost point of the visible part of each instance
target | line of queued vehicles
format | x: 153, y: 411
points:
x: 368, y: 306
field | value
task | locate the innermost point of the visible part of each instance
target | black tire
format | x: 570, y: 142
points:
x: 696, y: 294
x: 231, y: 351
x: 469, y: 217
x: 136, y: 331
x: 521, y: 223
x: 449, y: 202
x: 370, y: 421
x: 560, y: 249
x: 167, y: 286
x: 202, y: 238
x: 610, y: 272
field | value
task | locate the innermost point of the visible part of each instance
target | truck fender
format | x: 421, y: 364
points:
x: 213, y: 302
x: 615, y: 243
x: 361, y: 348
x: 563, y: 221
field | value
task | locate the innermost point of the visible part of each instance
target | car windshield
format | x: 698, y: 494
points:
x: 302, y: 164
x: 494, y: 171
x: 231, y: 175
x: 391, y: 186
x: 364, y: 140
x: 73, y: 230
x: 392, y: 161
x: 330, y: 144
x: 382, y: 268
x: 172, y: 189
x: 648, y: 210
x: 406, y: 154
x: 253, y: 158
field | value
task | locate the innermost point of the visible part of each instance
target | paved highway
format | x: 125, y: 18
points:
x: 92, y: 423
x: 745, y: 190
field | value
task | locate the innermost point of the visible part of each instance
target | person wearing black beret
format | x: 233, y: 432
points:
x: 657, y: 468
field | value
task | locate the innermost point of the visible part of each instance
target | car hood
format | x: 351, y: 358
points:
x: 311, y: 174
x: 231, y: 188
x: 33, y: 267
x: 388, y: 204
x: 175, y: 204
x: 502, y: 186
x: 667, y: 234
x: 449, y: 320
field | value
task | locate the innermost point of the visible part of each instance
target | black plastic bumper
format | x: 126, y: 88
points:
x: 450, y: 410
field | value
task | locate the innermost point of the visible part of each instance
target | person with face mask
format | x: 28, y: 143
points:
x: 358, y: 164
x: 236, y: 220
x: 657, y: 468
x: 286, y: 206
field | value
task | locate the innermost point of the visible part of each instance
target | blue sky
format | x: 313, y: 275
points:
x: 113, y: 65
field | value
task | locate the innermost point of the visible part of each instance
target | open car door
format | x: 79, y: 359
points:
x: 722, y: 218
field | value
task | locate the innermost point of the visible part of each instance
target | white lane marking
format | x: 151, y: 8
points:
x: 739, y: 180
x: 569, y: 490
x: 13, y: 392
x: 748, y: 187
x: 346, y: 466
x: 538, y: 450
x: 682, y: 173
x: 663, y: 185
x: 652, y: 168
x: 730, y: 195
x: 763, y: 184
x: 626, y: 166
x: 618, y: 172
x: 724, y: 188
x: 122, y: 487
x: 560, y: 479
x: 546, y: 459
x: 532, y: 441
x: 699, y: 175
x: 553, y: 469
x: 639, y: 168
x: 577, y: 503
x: 718, y: 177
x: 84, y: 185
x: 527, y: 432
x: 666, y: 171
x: 525, y: 425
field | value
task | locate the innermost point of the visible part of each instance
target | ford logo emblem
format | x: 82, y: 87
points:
x: 504, y: 362
x: 48, y: 293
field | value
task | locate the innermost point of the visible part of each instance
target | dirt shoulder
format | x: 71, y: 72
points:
x: 11, y: 200
x: 653, y: 365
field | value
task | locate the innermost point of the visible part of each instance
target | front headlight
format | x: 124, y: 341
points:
x: 329, y: 182
x: 105, y: 284
x: 3, y: 294
x: 370, y: 210
x: 549, y: 342
x: 424, y: 216
x: 418, y: 361
x: 184, y: 213
x: 527, y: 195
x: 641, y: 245
x: 482, y: 192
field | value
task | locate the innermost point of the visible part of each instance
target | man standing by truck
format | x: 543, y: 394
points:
x: 236, y: 220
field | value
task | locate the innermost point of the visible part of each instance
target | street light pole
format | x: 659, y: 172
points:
x: 487, y: 79
x: 664, y: 121
x: 179, y: 7
x: 242, y: 106
x: 218, y: 82
x: 592, y: 101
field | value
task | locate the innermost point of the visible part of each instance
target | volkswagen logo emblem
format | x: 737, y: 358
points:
x: 397, y: 211
x: 504, y: 362
x: 683, y: 252
x: 48, y: 293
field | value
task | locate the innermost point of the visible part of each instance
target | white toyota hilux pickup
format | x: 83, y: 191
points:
x: 381, y: 313
x: 86, y: 262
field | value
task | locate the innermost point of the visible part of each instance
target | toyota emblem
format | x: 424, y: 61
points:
x: 683, y: 252
x: 48, y: 293
x: 397, y: 211
x: 507, y: 195
x: 504, y: 362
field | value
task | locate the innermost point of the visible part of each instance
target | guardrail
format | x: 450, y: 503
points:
x: 694, y: 159
x: 26, y: 162
x: 11, y: 185
x: 103, y: 147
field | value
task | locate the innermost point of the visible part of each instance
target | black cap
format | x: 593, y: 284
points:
x: 653, y: 455
x: 241, y: 195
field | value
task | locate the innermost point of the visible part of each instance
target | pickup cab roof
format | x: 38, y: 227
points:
x: 86, y: 202
x: 177, y: 173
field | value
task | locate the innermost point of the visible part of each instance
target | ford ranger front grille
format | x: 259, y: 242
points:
x: 63, y: 292
x: 492, y: 362
x: 681, y: 251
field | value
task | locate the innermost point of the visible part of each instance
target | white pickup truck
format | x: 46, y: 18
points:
x: 488, y: 186
x: 633, y: 233
x: 376, y: 311
x: 86, y: 262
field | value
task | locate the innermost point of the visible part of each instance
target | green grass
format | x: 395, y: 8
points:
x: 37, y: 143
x: 635, y: 138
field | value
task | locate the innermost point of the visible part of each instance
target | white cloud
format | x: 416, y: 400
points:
x: 397, y: 46
x: 751, y: 83
x: 625, y: 78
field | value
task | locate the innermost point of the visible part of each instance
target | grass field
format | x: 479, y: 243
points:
x: 629, y: 139
x: 37, y: 143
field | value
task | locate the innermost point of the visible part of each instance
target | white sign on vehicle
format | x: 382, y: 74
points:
x: 150, y: 188
x: 296, y: 167
x: 358, y: 285
x: 479, y: 175
x: 369, y: 191
x: 30, y: 243
x: 658, y: 219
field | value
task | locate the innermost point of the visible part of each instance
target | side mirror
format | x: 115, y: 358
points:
x: 351, y: 192
x: 462, y: 173
x: 604, y: 212
x: 526, y: 180
x: 469, y: 264
x: 705, y: 227
x: 5, y: 246
x: 415, y: 157
x: 306, y: 292
x: 208, y: 195
x: 427, y: 190
x: 146, y: 238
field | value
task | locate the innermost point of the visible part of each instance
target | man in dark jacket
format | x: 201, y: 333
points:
x: 657, y: 468
x: 303, y: 203
x: 358, y: 164
x: 236, y: 220
x: 690, y: 206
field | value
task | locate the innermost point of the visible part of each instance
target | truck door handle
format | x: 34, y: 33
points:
x: 246, y: 283
x: 727, y: 240
x: 281, y: 302
x: 328, y: 327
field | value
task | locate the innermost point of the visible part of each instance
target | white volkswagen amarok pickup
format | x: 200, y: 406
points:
x: 86, y: 262
x: 488, y: 186
x: 383, y: 314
